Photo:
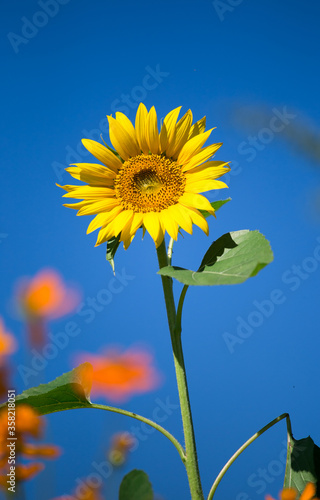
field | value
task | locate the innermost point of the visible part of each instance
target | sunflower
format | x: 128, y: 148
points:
x: 152, y: 180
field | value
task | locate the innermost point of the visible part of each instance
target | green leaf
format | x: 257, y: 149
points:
x: 70, y: 390
x: 216, y: 205
x: 112, y: 247
x: 303, y: 464
x: 136, y: 486
x: 231, y: 259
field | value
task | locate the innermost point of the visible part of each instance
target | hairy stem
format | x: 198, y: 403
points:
x: 191, y: 462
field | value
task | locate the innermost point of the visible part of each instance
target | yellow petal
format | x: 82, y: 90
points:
x: 78, y: 205
x: 198, y: 219
x: 192, y: 147
x: 74, y: 172
x: 91, y: 178
x: 67, y: 187
x: 196, y: 201
x: 93, y: 169
x: 152, y: 224
x: 99, y: 206
x: 181, y: 216
x: 130, y: 229
x: 208, y: 170
x: 181, y: 135
x: 122, y: 140
x: 103, y: 219
x: 201, y: 157
x: 159, y: 240
x: 121, y: 220
x: 140, y: 124
x: 136, y: 222
x: 168, y: 129
x: 126, y: 235
x: 152, y: 131
x: 198, y: 128
x: 105, y: 234
x: 127, y: 125
x: 102, y: 154
x: 89, y: 192
x: 204, y: 185
x: 169, y: 224
x: 98, y: 221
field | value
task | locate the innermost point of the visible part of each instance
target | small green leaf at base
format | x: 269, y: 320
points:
x: 69, y: 391
x: 136, y: 486
x: 216, y: 205
x: 231, y: 259
x: 112, y: 247
x: 303, y: 464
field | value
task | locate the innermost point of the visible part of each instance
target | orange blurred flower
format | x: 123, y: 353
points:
x: 7, y: 343
x: 41, y: 450
x: 90, y: 492
x: 121, y: 443
x: 24, y: 472
x: 43, y: 298
x: 292, y: 494
x: 27, y: 422
x: 7, y: 346
x: 118, y: 376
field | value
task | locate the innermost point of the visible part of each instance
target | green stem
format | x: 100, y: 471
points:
x: 191, y: 452
x: 289, y: 446
x: 153, y: 424
x: 179, y: 310
x: 289, y: 428
x: 170, y: 250
x: 240, y: 450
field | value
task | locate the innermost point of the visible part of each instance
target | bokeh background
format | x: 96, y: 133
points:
x: 252, y: 69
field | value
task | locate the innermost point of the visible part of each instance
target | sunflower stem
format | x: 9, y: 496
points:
x: 241, y: 449
x: 191, y: 462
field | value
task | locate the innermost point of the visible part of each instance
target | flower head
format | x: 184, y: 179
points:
x: 120, y: 375
x: 152, y: 180
x: 292, y: 494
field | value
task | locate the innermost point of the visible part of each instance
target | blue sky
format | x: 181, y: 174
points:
x: 64, y: 72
